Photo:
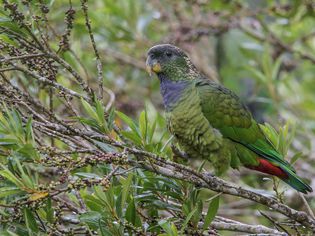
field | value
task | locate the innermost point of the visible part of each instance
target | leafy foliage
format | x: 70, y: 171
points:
x: 83, y: 142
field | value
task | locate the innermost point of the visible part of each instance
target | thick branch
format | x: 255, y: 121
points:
x: 219, y: 185
x: 240, y: 227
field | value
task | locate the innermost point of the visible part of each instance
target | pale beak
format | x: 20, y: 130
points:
x: 152, y: 65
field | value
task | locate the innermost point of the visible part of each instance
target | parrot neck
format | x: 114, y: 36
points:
x: 172, y: 91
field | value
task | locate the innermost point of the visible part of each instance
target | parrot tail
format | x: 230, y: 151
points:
x: 296, y: 182
x: 285, y: 173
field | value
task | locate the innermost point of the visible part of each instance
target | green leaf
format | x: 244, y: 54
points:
x: 30, y: 222
x: 143, y: 124
x: 275, y: 69
x: 168, y: 227
x: 104, y: 146
x: 7, y: 39
x: 126, y: 189
x: 26, y: 179
x: 151, y: 131
x: 104, y: 231
x: 131, y: 212
x: 11, y: 177
x: 212, y: 211
x: 198, y: 214
x: 184, y: 224
x: 91, y: 218
x: 296, y: 157
x: 9, y: 233
x: 89, y: 122
x: 28, y: 151
x: 94, y: 203
x: 111, y: 118
x: 29, y: 131
x: 108, y: 197
x: 7, y: 141
x: 9, y: 191
x: 132, y: 215
x: 49, y: 211
x: 14, y: 27
x: 257, y: 74
x: 129, y: 122
x: 89, y: 109
x: 97, y: 115
x: 132, y: 136
x: 88, y: 175
x: 100, y: 112
x: 201, y: 166
x: 267, y: 62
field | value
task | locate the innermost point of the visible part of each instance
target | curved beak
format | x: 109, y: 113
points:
x: 152, y: 65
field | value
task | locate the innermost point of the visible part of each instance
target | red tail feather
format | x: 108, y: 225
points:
x: 268, y: 168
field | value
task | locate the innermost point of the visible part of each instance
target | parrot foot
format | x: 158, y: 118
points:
x: 208, y: 174
x: 179, y: 153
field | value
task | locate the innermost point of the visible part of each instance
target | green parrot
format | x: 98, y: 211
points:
x: 209, y: 121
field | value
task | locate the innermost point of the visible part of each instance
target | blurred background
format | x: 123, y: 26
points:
x: 263, y: 50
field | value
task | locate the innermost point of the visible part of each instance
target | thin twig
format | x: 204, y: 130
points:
x: 241, y: 227
x: 98, y: 60
x: 49, y: 82
x: 274, y: 222
x: 111, y: 98
x: 21, y: 57
x: 7, y: 69
x: 308, y: 208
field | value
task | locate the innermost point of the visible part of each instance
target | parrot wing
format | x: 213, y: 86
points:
x: 225, y: 112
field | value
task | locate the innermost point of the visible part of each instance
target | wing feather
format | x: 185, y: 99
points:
x: 225, y: 112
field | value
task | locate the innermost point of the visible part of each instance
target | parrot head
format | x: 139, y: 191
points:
x: 170, y: 61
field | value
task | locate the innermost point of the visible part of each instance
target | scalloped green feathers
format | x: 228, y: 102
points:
x: 210, y: 121
x: 225, y: 112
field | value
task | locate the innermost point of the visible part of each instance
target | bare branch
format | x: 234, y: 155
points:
x: 50, y: 82
x: 21, y: 57
x: 241, y: 227
x: 98, y: 60
x: 309, y: 209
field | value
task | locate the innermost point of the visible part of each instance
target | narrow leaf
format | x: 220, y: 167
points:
x: 30, y: 222
x: 126, y: 189
x: 187, y: 220
x: 212, y: 211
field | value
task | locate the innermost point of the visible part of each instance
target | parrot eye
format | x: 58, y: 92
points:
x: 168, y: 54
